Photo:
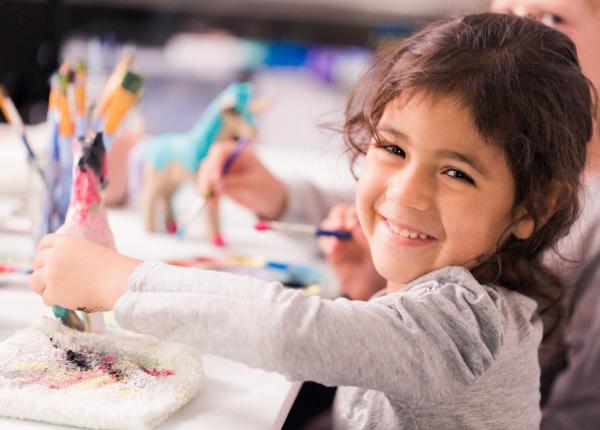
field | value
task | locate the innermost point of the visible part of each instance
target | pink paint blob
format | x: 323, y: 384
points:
x: 262, y: 226
x: 218, y: 241
x: 86, y: 193
x: 157, y: 372
x: 171, y: 227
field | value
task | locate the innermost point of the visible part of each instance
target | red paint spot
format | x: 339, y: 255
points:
x: 171, y: 227
x: 218, y: 241
x: 109, y: 358
x: 262, y: 226
x: 157, y: 372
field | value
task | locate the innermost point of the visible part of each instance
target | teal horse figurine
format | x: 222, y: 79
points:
x: 173, y: 158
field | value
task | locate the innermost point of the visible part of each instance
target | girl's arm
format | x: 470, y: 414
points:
x: 291, y: 199
x: 424, y: 343
x: 418, y: 346
x: 307, y: 202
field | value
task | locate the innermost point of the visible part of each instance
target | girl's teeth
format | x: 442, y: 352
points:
x: 405, y: 233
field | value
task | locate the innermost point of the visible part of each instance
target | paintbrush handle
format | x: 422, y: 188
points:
x: 196, y: 209
x: 193, y: 211
x: 241, y: 144
x: 292, y: 227
x: 12, y: 117
x: 33, y: 160
x: 309, y: 229
x: 338, y: 234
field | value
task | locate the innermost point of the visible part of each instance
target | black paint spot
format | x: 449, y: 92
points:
x: 93, y: 156
x: 88, y: 310
x: 78, y: 359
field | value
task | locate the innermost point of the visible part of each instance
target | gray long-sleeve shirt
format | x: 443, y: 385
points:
x: 445, y: 352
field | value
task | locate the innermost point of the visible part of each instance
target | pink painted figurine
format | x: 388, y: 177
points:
x: 86, y: 217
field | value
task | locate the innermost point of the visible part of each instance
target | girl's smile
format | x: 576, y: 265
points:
x: 433, y: 193
x: 406, y: 234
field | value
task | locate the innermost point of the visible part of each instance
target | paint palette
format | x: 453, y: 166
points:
x: 14, y: 269
x: 54, y: 374
x: 289, y: 274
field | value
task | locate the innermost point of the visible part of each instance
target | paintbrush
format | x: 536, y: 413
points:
x: 9, y: 268
x: 80, y: 98
x: 12, y: 117
x: 313, y: 230
x: 66, y: 126
x: 114, y: 81
x: 199, y: 205
x: 123, y: 98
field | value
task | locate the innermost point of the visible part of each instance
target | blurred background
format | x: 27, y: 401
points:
x: 36, y: 34
x: 303, y: 56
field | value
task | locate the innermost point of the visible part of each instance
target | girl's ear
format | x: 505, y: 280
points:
x: 524, y: 227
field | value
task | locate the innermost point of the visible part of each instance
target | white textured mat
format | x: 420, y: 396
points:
x: 103, y: 381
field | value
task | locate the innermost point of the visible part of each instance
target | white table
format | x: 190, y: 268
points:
x: 234, y: 396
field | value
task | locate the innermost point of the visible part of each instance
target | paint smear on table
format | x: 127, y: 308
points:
x: 289, y: 274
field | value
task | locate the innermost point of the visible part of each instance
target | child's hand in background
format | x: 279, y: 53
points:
x: 78, y: 274
x: 350, y: 259
x: 248, y: 183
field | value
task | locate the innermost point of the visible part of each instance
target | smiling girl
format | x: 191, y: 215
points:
x: 474, y: 133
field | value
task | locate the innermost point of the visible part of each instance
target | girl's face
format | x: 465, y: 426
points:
x: 433, y: 193
x: 578, y: 19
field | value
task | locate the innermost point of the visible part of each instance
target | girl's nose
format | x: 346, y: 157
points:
x: 411, y: 189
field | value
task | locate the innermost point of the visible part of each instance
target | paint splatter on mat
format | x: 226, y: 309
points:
x: 54, y: 374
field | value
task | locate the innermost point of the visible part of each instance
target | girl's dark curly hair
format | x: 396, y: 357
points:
x: 523, y: 86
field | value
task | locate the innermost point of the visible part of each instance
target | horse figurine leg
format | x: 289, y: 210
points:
x: 170, y: 222
x: 212, y: 218
x: 150, y: 197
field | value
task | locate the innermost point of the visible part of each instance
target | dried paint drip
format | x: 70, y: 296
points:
x: 94, y: 380
x: 94, y: 362
x: 119, y: 368
x: 84, y: 369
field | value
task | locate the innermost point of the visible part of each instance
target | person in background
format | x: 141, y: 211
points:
x: 474, y: 135
x: 571, y: 391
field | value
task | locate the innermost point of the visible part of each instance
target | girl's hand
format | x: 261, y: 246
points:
x: 248, y: 182
x: 351, y: 259
x: 78, y: 274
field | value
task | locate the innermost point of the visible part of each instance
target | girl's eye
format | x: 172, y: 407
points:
x: 551, y: 19
x: 394, y: 149
x: 460, y: 175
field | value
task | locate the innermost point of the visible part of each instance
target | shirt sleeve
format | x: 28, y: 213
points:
x: 417, y: 346
x: 309, y: 203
